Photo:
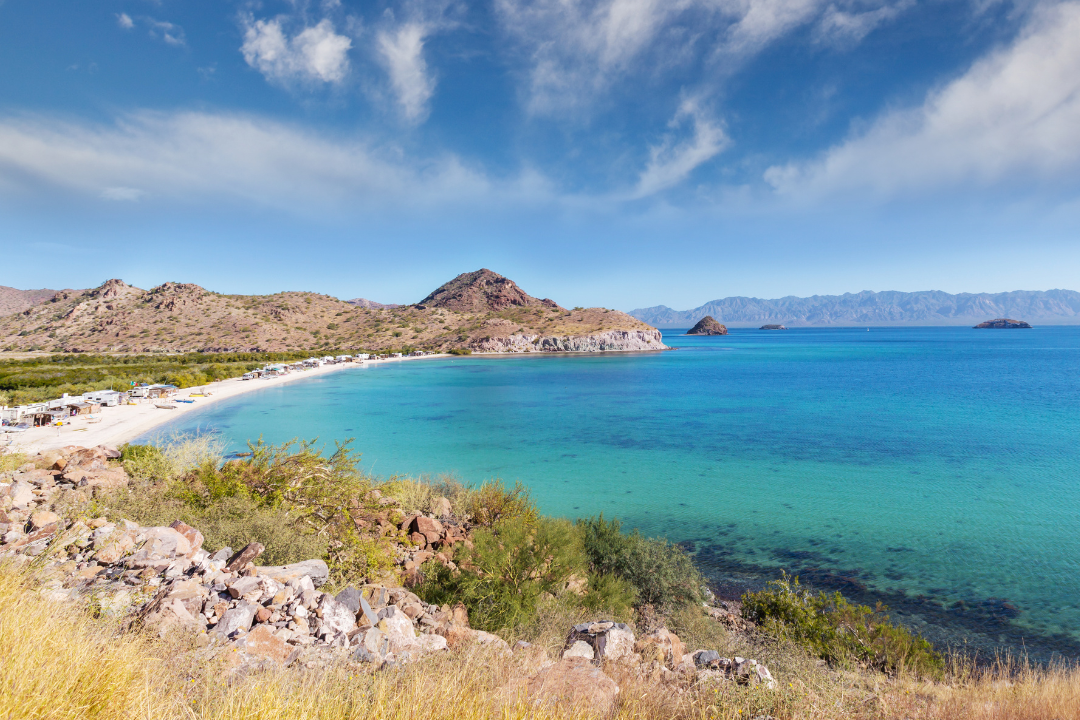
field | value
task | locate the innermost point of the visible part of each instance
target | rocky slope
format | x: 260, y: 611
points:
x: 248, y: 617
x: 877, y: 308
x: 181, y: 317
x: 14, y: 301
x: 707, y: 326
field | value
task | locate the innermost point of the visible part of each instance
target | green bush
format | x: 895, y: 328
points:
x: 460, y: 351
x: 661, y: 574
x: 839, y: 631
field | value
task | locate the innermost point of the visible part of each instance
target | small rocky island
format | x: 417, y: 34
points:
x: 772, y: 327
x: 708, y: 326
x: 1003, y: 323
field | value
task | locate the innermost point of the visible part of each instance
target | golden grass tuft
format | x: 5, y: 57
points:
x: 57, y: 661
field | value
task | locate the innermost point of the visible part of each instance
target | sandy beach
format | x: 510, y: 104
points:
x: 124, y: 423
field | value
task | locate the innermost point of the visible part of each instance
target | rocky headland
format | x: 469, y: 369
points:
x: 772, y: 327
x: 1003, y: 324
x: 707, y: 326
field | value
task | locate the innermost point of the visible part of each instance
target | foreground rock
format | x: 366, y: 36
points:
x: 1003, y: 323
x: 163, y: 579
x: 707, y: 326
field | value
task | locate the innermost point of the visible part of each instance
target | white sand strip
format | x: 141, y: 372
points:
x: 124, y: 423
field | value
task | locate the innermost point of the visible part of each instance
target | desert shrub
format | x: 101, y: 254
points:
x: 697, y: 630
x: 492, y: 503
x: 460, y: 351
x: 661, y: 574
x: 839, y: 631
x: 146, y: 463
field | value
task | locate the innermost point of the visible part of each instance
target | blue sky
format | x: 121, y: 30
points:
x: 622, y: 153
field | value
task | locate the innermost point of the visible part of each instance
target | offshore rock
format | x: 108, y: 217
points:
x: 612, y: 340
x: 707, y: 326
x: 1003, y: 323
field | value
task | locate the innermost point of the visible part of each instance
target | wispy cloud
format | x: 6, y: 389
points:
x: 124, y: 20
x: 576, y: 49
x: 1014, y: 115
x: 672, y: 161
x: 844, y: 27
x: 401, y: 51
x: 171, y: 33
x: 221, y: 159
x: 314, y: 54
x: 122, y: 193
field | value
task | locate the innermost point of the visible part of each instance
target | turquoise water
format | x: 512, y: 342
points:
x: 937, y: 469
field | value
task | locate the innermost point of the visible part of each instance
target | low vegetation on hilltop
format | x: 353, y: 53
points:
x: 180, y: 317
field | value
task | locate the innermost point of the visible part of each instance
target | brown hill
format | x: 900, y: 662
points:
x: 180, y: 317
x: 482, y: 291
x: 14, y: 301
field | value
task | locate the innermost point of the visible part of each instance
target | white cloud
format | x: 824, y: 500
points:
x: 169, y: 32
x: 402, y: 53
x: 671, y: 162
x: 124, y: 20
x: 215, y: 158
x: 842, y: 27
x: 1013, y: 116
x: 122, y: 193
x: 575, y: 49
x: 316, y: 53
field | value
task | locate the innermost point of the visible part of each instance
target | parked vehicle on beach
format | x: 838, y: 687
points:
x: 21, y: 427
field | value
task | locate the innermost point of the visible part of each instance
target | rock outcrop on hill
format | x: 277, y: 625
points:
x: 1003, y: 323
x: 479, y: 310
x: 707, y: 326
x: 371, y: 304
x: 482, y: 291
x: 599, y: 342
x: 930, y: 307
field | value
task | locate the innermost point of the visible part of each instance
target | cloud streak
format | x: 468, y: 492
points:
x: 1012, y: 116
x: 671, y: 162
x: 215, y: 158
x: 401, y: 51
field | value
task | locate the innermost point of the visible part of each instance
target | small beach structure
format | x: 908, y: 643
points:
x: 105, y: 398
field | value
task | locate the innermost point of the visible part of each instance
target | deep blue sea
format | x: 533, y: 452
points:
x: 935, y: 469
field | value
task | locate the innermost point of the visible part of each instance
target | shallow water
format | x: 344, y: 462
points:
x: 934, y: 468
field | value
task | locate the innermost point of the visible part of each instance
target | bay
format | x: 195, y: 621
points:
x: 935, y: 469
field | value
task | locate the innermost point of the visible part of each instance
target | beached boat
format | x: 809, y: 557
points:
x: 165, y: 406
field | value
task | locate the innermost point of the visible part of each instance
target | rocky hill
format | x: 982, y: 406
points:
x: 481, y: 311
x: 482, y: 291
x: 877, y: 308
x: 13, y: 301
x: 370, y: 304
x: 707, y: 326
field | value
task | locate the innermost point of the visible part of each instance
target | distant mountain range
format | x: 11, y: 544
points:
x: 930, y: 307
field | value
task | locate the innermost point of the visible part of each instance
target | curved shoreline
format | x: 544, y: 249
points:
x: 124, y: 423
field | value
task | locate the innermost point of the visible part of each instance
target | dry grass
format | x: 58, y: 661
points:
x: 59, y: 662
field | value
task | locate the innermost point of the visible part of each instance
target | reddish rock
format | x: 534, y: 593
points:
x: 576, y: 683
x: 261, y: 642
x: 240, y: 560
x: 194, y: 537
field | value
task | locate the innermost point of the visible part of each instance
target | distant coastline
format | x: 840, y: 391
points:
x: 929, y: 308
